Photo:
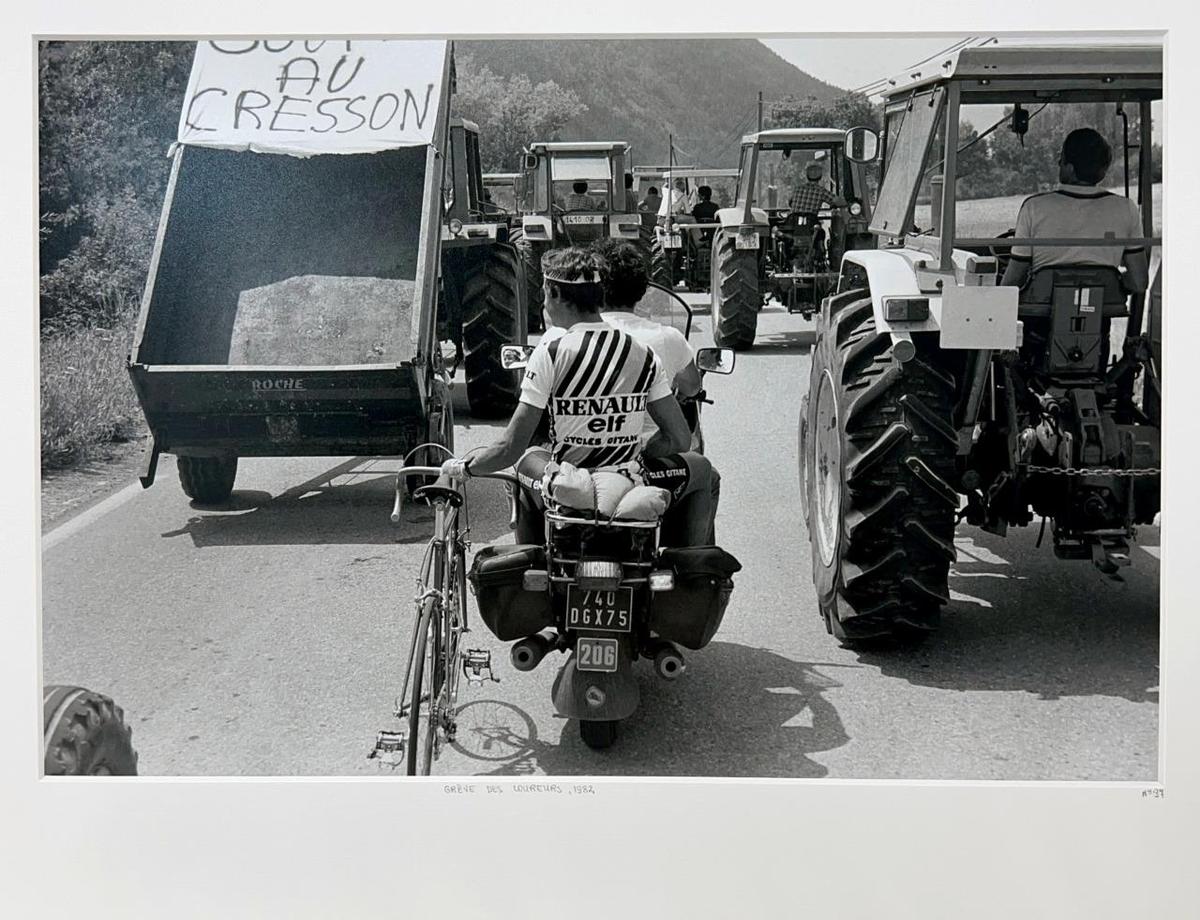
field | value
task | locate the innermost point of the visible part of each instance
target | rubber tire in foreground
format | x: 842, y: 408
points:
x: 531, y: 259
x: 660, y: 266
x: 207, y: 480
x: 735, y: 293
x: 84, y: 734
x: 885, y: 509
x: 597, y: 734
x: 493, y: 315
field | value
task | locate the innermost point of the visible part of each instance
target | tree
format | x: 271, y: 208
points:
x: 849, y: 110
x: 510, y: 112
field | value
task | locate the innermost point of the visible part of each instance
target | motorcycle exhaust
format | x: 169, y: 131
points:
x: 668, y: 662
x: 528, y: 653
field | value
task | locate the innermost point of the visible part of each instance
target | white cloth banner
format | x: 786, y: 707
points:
x: 309, y: 97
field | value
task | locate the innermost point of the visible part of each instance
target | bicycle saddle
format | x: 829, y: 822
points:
x: 441, y: 490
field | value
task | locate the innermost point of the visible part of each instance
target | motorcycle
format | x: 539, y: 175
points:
x: 605, y: 592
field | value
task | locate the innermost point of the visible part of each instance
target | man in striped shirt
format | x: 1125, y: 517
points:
x: 597, y: 383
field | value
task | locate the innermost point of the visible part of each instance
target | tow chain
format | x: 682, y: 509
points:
x: 1092, y: 471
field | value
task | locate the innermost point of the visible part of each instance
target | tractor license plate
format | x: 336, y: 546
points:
x: 673, y: 241
x: 747, y: 238
x: 584, y: 218
x: 596, y: 654
x: 602, y: 611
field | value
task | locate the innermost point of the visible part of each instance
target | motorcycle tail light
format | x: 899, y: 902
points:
x: 598, y: 574
x: 535, y: 580
x: 662, y: 580
x: 905, y: 309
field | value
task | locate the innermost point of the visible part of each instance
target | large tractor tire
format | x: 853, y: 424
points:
x: 877, y: 455
x: 84, y: 734
x: 735, y: 294
x: 660, y: 266
x: 531, y: 258
x: 493, y: 315
x: 207, y: 480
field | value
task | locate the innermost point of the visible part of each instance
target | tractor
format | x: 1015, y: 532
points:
x: 554, y: 214
x: 682, y: 250
x: 939, y: 395
x: 767, y: 248
x: 502, y: 192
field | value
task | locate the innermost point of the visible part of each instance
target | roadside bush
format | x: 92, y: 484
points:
x: 87, y: 399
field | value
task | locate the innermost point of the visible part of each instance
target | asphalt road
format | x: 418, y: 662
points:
x: 267, y: 638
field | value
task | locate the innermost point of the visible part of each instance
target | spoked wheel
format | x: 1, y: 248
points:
x: 423, y: 692
x: 596, y: 734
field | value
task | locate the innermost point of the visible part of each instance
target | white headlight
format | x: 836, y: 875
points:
x: 855, y: 208
x: 456, y: 226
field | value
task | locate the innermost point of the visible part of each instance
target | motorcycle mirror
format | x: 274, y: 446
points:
x: 515, y: 357
x: 862, y: 145
x: 715, y: 360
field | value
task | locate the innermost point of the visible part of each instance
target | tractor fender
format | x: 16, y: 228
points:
x: 732, y: 217
x: 889, y: 273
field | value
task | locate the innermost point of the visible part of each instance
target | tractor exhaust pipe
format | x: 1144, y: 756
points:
x: 528, y: 653
x: 668, y: 662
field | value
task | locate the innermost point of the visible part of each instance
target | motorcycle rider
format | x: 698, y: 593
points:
x: 596, y: 383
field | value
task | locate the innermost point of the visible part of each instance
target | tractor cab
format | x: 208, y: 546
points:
x: 682, y: 251
x: 469, y: 216
x: 574, y: 193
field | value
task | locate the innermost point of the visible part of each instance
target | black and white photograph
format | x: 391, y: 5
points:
x: 475, y: 421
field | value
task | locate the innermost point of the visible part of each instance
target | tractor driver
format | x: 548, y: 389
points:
x: 705, y: 211
x: 1078, y: 208
x: 596, y: 383
x: 579, y: 199
x: 810, y: 197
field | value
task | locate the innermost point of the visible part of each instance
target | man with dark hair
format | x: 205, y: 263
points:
x: 579, y: 199
x: 810, y: 197
x: 651, y: 201
x: 705, y: 211
x: 1079, y: 209
x: 630, y: 194
x: 597, y: 383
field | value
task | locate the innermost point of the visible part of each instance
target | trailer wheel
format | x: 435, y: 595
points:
x: 531, y: 259
x: 84, y: 734
x: 493, y: 312
x: 878, y: 453
x: 207, y: 480
x: 660, y: 266
x: 735, y: 294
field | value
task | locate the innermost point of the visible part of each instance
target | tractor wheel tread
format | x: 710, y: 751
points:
x: 736, y: 297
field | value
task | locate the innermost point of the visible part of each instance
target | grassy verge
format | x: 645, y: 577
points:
x: 87, y: 399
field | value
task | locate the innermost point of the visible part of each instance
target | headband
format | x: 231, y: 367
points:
x: 592, y: 278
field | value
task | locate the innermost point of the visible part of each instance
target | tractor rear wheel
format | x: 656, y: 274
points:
x: 878, y: 453
x: 735, y: 294
x: 660, y: 266
x: 207, y: 480
x: 493, y: 315
x: 84, y: 734
x: 531, y: 258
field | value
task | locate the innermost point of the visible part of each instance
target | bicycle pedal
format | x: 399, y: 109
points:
x: 477, y: 667
x: 389, y: 748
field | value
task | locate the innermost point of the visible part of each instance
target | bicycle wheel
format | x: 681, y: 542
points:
x: 423, y: 697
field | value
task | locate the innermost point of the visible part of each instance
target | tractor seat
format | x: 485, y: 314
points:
x: 1070, y: 286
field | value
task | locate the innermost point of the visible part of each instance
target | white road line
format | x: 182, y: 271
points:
x: 93, y: 514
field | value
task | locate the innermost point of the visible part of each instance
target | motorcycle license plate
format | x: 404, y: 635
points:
x: 747, y: 238
x: 596, y: 654
x: 601, y: 611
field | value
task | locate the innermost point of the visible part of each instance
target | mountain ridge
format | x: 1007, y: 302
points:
x: 701, y: 92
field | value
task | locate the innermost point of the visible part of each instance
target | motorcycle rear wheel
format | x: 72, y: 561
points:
x: 597, y: 734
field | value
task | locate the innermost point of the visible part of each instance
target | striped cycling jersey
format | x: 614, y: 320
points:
x: 595, y: 381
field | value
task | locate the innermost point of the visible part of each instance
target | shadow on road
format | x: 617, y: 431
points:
x: 798, y: 341
x: 349, y: 503
x: 738, y: 711
x: 1046, y: 626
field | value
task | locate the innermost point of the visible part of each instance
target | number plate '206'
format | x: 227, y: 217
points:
x: 596, y: 654
x: 604, y: 611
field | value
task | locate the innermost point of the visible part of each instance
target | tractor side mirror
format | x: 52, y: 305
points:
x: 531, y: 161
x: 715, y: 360
x: 515, y: 357
x: 862, y: 145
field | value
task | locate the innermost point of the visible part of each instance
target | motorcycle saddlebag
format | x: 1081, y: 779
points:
x: 691, y: 612
x: 507, y: 609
